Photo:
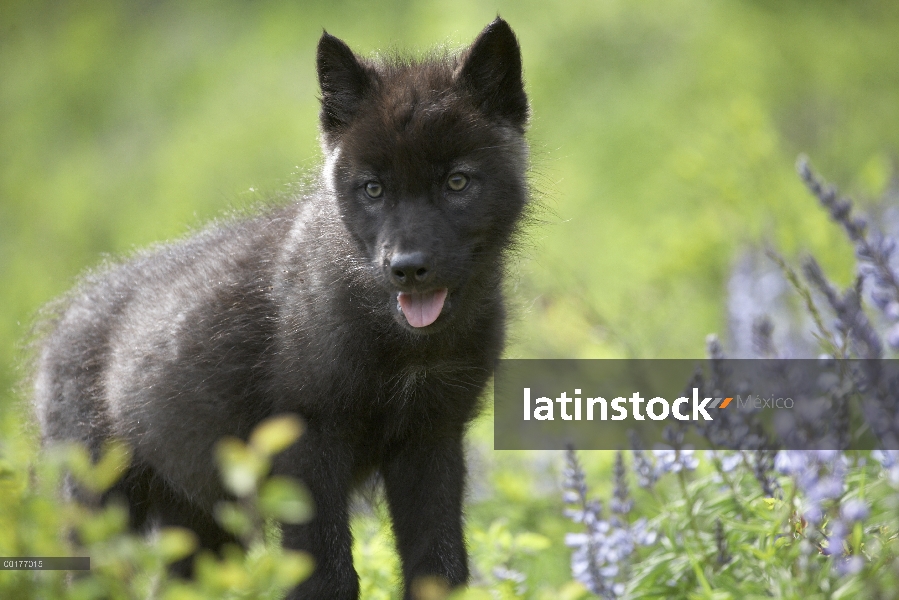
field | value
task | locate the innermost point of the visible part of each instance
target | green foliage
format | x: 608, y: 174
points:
x: 770, y: 548
x: 718, y: 536
x: 125, y: 565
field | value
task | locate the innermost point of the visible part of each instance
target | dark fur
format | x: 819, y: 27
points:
x: 295, y: 311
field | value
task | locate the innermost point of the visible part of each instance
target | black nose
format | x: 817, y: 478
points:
x: 409, y: 267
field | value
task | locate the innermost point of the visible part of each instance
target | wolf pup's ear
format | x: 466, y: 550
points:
x: 343, y: 81
x: 491, y: 70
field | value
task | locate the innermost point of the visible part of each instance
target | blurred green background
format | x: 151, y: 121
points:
x: 664, y: 136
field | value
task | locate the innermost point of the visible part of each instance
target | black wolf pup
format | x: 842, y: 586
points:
x: 372, y: 308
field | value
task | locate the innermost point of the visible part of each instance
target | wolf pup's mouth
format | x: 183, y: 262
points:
x: 421, y: 309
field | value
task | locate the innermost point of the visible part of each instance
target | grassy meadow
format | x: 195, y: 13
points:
x: 664, y: 136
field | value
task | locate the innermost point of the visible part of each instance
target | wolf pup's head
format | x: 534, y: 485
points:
x: 426, y: 160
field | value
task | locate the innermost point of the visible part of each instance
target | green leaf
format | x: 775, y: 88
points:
x: 182, y: 591
x: 293, y: 567
x: 175, y: 543
x: 233, y: 518
x: 285, y: 500
x: 276, y: 434
x: 532, y: 542
x: 105, y: 524
x: 111, y: 466
x: 241, y: 467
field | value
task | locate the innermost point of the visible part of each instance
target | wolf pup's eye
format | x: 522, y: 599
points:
x: 373, y: 189
x: 457, y: 182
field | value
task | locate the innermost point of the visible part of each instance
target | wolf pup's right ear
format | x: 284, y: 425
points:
x: 491, y: 71
x: 343, y: 81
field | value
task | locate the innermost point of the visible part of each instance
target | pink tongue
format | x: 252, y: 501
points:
x: 422, y: 309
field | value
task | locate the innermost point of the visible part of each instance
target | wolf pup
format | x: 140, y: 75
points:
x: 372, y: 308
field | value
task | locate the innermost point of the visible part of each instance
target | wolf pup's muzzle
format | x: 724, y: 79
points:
x: 412, y: 272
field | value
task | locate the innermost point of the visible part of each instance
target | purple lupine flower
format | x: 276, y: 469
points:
x: 671, y: 460
x: 621, y: 503
x: 889, y: 460
x: 761, y: 320
x: 601, y: 554
x: 892, y: 311
x: 852, y: 322
x: 874, y: 250
x: 851, y: 512
x: 838, y: 534
x: 892, y: 336
x: 819, y: 475
x: 763, y: 337
x: 642, y: 533
x: 849, y: 565
x: 728, y: 461
x: 820, y: 478
x: 586, y: 566
x: 854, y: 510
x: 643, y: 466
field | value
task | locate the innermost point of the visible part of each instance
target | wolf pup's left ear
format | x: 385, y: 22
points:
x: 491, y: 70
x: 343, y: 81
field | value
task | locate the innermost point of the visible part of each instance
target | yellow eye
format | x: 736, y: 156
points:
x: 457, y: 182
x: 373, y: 189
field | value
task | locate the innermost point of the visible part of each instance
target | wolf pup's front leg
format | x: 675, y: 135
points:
x: 324, y: 466
x: 425, y: 482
